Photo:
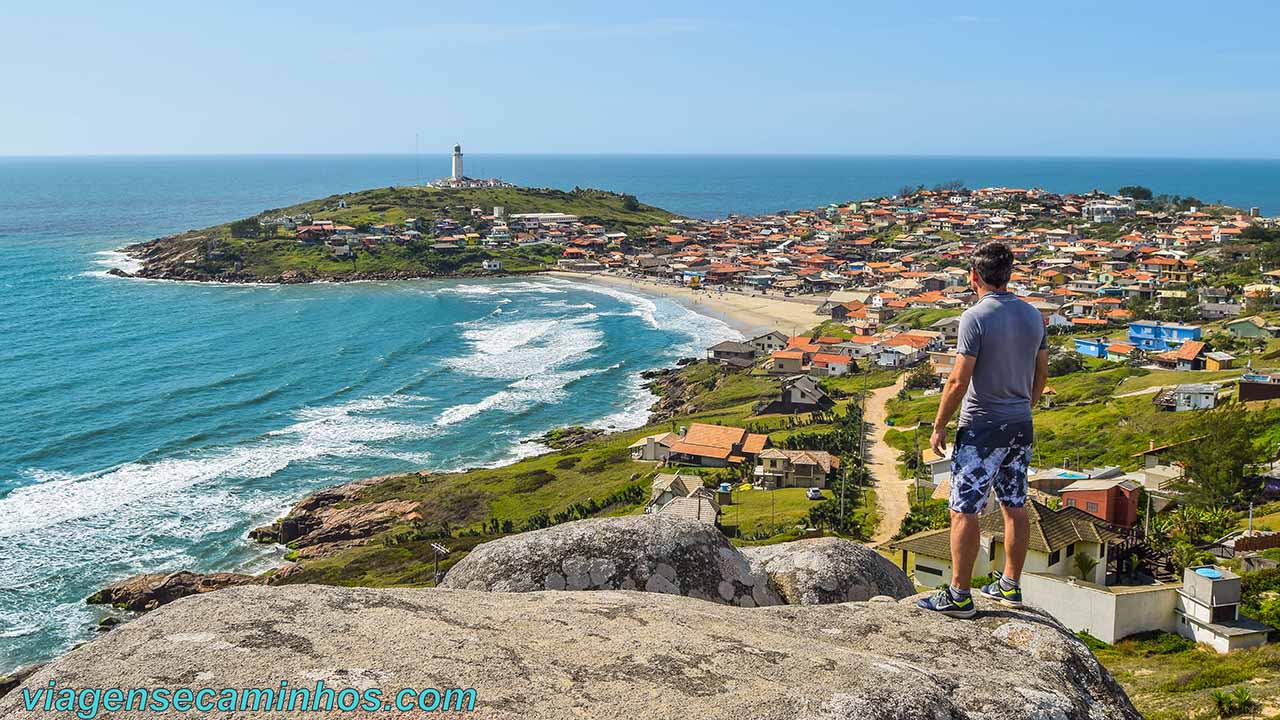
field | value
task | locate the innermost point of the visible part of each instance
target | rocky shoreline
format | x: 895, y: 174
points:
x: 333, y: 519
x: 156, y: 265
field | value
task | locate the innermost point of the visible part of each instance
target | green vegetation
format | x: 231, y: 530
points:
x: 248, y: 250
x: 598, y: 478
x: 1168, y: 676
x: 919, y: 318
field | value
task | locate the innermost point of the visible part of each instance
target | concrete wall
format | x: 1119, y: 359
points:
x: 1098, y: 611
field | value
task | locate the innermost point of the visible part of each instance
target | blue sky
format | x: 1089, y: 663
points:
x: 972, y: 78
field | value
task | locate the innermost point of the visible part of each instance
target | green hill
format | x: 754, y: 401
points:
x: 247, y: 250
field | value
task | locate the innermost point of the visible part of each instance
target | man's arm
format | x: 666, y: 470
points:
x: 957, y: 385
x: 1042, y: 377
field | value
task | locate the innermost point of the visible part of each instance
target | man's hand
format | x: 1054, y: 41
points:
x: 938, y: 441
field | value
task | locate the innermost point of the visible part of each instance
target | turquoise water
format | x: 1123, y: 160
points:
x: 148, y: 425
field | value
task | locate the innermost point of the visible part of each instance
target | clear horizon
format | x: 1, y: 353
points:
x: 1093, y: 80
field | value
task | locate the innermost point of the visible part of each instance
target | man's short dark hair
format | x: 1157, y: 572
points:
x: 994, y: 263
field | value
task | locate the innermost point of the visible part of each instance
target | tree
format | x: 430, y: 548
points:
x: 1085, y: 565
x: 246, y: 228
x: 1140, y: 309
x: 921, y: 378
x: 1218, y: 461
x: 1137, y: 192
x: 629, y: 202
x: 1065, y: 363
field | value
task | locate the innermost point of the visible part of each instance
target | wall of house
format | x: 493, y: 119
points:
x: 1103, y: 614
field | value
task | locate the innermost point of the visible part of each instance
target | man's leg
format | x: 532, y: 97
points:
x: 1017, y: 531
x: 964, y: 548
x: 970, y: 484
x: 1011, y: 489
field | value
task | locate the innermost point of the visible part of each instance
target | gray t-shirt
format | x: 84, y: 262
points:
x: 1004, y: 334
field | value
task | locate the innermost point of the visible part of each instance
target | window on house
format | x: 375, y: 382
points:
x: 1071, y: 502
x: 1071, y: 549
x: 1091, y: 506
x: 1102, y: 551
x: 1054, y: 557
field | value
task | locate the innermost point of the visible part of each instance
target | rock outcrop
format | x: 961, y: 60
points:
x: 654, y: 553
x: 148, y: 592
x: 328, y: 520
x: 603, y: 655
x: 827, y: 570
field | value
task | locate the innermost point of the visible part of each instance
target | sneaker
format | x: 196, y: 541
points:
x: 1012, y: 598
x: 942, y: 602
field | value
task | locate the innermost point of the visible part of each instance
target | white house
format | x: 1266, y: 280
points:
x: 768, y: 342
x: 1057, y: 538
x: 1205, y: 607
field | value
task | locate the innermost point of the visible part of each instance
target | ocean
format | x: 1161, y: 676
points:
x: 148, y: 425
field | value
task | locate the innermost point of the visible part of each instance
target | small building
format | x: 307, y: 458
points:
x: 492, y: 265
x: 1151, y: 335
x: 795, y: 468
x: 768, y: 342
x: 653, y: 448
x: 1092, y: 347
x: 1205, y: 607
x: 1111, y: 500
x: 1208, y: 611
x: 732, y: 353
x: 716, y: 445
x: 1120, y: 352
x: 800, y: 394
x: 942, y: 363
x: 1252, y: 327
x: 1056, y: 537
x: 831, y: 364
x: 787, y: 362
x: 1219, y: 361
x: 1193, y: 396
x: 683, y: 496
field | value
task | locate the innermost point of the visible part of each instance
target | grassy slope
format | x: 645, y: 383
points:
x: 271, y: 256
x: 1167, y: 679
x: 555, y: 480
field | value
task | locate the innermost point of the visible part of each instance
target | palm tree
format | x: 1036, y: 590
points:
x: 1085, y: 565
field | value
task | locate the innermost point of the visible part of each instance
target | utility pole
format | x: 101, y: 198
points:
x: 438, y: 550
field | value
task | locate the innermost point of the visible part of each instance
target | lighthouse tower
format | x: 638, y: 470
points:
x: 457, y: 162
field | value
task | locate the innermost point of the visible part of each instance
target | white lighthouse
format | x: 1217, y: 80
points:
x: 457, y: 163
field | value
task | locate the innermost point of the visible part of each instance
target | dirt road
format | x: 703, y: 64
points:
x: 882, y: 462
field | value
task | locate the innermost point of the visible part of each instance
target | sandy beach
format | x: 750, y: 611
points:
x: 749, y: 314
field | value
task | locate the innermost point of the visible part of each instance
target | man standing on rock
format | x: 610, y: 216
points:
x: 1002, y: 363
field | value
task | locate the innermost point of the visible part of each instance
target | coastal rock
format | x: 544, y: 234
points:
x: 317, y: 519
x: 537, y: 656
x: 570, y: 437
x: 150, y: 591
x: 117, y: 272
x: 654, y: 553
x: 828, y: 570
x: 16, y: 678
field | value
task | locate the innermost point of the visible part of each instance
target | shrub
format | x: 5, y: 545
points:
x: 1211, y: 676
x: 1236, y: 702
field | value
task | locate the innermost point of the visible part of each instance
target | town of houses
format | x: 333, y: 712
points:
x: 1083, y: 261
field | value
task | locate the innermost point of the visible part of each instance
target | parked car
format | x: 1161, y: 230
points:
x: 813, y: 494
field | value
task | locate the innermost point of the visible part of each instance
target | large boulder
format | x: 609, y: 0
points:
x: 654, y: 553
x: 828, y: 570
x: 605, y: 654
x: 151, y: 590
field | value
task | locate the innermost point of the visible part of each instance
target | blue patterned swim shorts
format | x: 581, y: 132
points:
x: 999, y: 456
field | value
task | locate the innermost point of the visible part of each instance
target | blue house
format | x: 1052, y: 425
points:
x: 1154, y: 336
x: 1092, y: 347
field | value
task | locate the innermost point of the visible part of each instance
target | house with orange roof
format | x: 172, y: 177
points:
x: 716, y: 446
